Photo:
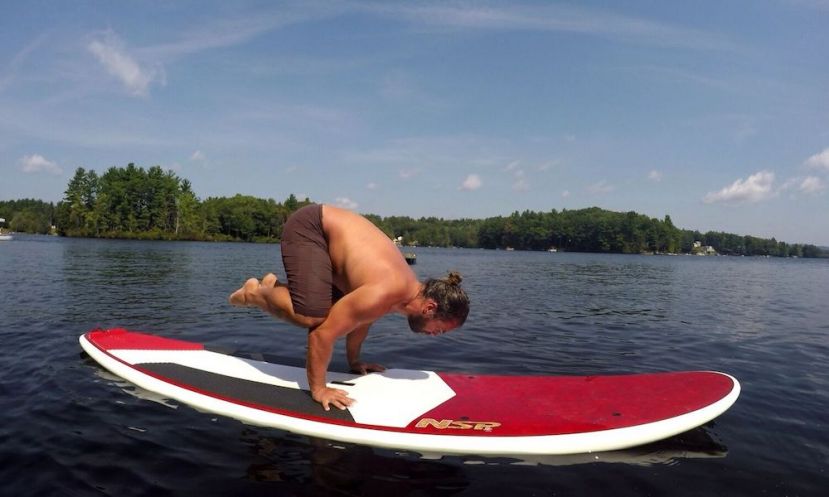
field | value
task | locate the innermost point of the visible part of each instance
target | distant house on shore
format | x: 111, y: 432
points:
x: 700, y: 249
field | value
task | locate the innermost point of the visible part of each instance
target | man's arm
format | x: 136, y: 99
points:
x: 353, y: 344
x: 355, y: 310
x: 320, y: 347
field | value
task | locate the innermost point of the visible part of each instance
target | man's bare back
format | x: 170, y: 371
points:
x: 363, y: 255
x: 374, y: 279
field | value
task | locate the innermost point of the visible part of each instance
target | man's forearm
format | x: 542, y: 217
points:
x: 319, y: 356
x: 354, y: 343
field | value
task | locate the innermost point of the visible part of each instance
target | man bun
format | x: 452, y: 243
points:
x: 452, y: 302
x: 454, y: 278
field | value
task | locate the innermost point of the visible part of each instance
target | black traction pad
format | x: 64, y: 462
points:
x: 288, y: 401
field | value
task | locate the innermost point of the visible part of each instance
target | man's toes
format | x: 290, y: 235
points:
x: 269, y: 280
x: 239, y: 297
x: 251, y: 285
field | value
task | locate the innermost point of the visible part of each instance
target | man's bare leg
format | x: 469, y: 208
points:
x: 273, y: 298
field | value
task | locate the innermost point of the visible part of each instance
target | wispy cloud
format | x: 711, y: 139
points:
x: 346, y: 203
x: 755, y: 188
x: 811, y: 4
x: 471, y: 183
x: 413, y: 155
x: 812, y: 184
x: 819, y: 160
x: 519, y: 177
x: 561, y: 18
x: 240, y: 27
x: 655, y: 176
x: 46, y: 125
x: 809, y: 185
x: 601, y: 188
x: 36, y: 163
x: 111, y: 53
x: 520, y: 184
x: 9, y: 75
x: 198, y: 156
x: 406, y: 174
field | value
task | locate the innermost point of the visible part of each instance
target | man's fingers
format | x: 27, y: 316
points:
x: 337, y: 398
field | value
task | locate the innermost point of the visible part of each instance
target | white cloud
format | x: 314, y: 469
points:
x: 346, y: 203
x: 471, y: 183
x: 812, y: 184
x: 520, y: 184
x: 755, y: 188
x: 372, y: 186
x: 808, y: 185
x: 111, y: 54
x: 655, y: 176
x: 546, y: 166
x: 197, y: 156
x: 38, y: 164
x: 819, y: 160
x: 600, y: 188
x: 409, y: 173
x: 565, y: 194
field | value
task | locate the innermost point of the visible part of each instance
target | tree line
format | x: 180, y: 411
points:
x: 27, y: 215
x: 133, y: 202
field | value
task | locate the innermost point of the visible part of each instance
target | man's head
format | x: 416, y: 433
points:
x: 445, y: 306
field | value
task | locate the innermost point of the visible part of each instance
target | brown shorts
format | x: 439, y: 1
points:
x: 307, y: 263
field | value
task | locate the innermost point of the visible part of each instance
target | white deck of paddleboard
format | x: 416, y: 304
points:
x: 393, y: 398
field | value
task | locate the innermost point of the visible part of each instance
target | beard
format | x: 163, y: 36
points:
x: 417, y: 322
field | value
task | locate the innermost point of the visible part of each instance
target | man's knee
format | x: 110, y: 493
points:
x: 312, y: 322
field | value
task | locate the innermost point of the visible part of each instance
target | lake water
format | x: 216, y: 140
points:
x: 69, y: 428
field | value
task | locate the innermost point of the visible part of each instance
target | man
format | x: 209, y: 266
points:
x: 344, y: 274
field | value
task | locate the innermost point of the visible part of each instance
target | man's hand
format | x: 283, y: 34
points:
x: 360, y: 367
x: 332, y: 397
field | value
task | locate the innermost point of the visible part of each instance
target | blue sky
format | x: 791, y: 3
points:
x: 715, y: 113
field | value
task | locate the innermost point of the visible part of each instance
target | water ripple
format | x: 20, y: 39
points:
x: 69, y: 429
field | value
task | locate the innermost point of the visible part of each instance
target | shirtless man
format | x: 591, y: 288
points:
x: 344, y: 274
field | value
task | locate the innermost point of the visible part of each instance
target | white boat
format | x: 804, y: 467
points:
x: 4, y: 236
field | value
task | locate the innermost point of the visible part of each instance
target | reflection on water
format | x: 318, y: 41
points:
x: 350, y: 470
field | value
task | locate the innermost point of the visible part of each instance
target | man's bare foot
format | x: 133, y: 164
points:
x: 239, y: 298
x: 269, y: 280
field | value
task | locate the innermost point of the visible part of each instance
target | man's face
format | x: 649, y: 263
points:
x: 430, y: 326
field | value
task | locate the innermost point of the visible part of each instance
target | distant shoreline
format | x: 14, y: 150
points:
x: 134, y: 203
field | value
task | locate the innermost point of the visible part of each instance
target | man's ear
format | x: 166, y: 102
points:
x: 429, y: 308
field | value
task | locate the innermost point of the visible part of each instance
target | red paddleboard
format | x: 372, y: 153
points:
x: 425, y: 411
